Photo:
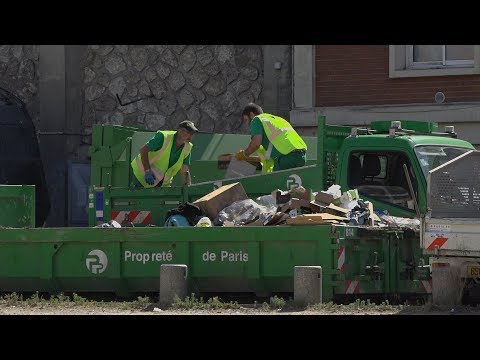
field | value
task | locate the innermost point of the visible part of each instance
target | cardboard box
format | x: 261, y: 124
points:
x: 285, y: 208
x: 239, y: 169
x: 271, y: 220
x: 224, y: 160
x: 330, y: 209
x: 324, y: 216
x: 301, y: 193
x: 315, y: 219
x: 317, y: 207
x: 281, y: 197
x: 219, y: 199
x: 300, y: 220
x: 336, y: 210
x: 278, y: 219
x: 294, y: 203
x: 323, y: 197
x: 299, y: 204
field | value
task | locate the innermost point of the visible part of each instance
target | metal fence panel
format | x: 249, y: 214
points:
x: 454, y: 188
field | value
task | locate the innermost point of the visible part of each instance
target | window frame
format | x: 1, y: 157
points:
x: 401, y: 64
x: 385, y: 153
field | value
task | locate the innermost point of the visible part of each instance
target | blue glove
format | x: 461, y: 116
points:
x: 150, y: 177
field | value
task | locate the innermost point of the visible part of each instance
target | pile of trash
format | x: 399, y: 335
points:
x: 297, y: 206
x: 230, y: 206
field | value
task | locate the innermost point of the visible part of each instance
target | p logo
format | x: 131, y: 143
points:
x: 96, y: 261
x: 294, y: 181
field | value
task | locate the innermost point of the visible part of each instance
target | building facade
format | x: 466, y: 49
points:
x: 356, y: 84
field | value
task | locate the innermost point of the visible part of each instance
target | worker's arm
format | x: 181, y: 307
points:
x: 144, y: 155
x: 183, y: 174
x: 254, y: 145
x: 256, y: 130
x: 148, y: 175
x: 154, y: 144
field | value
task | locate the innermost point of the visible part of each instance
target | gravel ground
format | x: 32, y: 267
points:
x: 116, y: 309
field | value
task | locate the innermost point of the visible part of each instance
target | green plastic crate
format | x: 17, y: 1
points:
x: 17, y: 205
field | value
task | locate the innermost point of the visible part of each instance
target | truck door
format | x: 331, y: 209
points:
x: 379, y: 177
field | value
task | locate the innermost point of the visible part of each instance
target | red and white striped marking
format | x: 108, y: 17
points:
x: 352, y: 287
x: 439, y: 241
x: 427, y: 286
x: 133, y: 216
x: 341, y: 259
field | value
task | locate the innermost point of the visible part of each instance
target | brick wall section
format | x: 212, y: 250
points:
x: 349, y: 75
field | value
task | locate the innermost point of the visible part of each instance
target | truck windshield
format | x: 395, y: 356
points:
x: 432, y: 156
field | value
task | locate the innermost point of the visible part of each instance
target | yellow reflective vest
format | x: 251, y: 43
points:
x: 159, y: 162
x: 281, y: 135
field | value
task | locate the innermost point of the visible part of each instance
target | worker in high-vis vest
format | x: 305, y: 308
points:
x: 274, y: 139
x: 163, y: 156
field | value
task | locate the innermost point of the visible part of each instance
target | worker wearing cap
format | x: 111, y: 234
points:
x: 163, y: 156
x: 274, y: 139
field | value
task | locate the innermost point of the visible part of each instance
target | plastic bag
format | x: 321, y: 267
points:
x: 110, y: 224
x: 176, y: 221
x: 335, y: 191
x: 398, y: 221
x: 360, y: 214
x: 243, y: 212
x: 349, y: 205
x: 204, y: 222
x: 266, y: 200
x: 190, y: 211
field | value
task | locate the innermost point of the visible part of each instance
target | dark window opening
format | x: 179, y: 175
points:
x: 380, y: 176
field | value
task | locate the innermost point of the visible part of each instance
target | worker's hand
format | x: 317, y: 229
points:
x: 240, y: 156
x: 150, y: 177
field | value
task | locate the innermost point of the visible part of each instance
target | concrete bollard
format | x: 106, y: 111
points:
x: 307, y: 285
x: 173, y: 281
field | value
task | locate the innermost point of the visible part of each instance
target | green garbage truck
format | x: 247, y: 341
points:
x: 370, y: 160
x: 357, y: 261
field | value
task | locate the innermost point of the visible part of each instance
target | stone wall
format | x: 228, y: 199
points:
x: 207, y: 84
x: 19, y: 75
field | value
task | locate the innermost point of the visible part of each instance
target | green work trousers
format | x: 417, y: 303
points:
x: 291, y: 160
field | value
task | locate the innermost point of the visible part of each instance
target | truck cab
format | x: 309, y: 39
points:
x: 372, y: 162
